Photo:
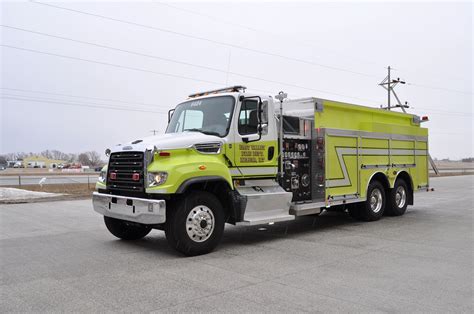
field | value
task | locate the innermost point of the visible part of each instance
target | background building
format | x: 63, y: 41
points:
x: 42, y: 162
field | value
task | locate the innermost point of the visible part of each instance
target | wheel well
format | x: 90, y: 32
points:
x: 406, y: 177
x: 218, y: 187
x: 382, y: 178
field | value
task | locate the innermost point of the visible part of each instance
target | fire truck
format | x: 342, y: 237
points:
x: 229, y: 156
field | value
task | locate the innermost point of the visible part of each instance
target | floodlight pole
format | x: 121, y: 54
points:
x: 281, y: 96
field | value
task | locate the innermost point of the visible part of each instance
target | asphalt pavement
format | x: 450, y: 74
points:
x: 58, y: 256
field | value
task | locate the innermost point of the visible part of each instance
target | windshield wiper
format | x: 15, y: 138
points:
x: 203, y: 132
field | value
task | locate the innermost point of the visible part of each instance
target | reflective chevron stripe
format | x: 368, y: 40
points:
x: 341, y: 151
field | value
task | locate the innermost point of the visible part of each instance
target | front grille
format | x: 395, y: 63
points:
x: 126, y: 172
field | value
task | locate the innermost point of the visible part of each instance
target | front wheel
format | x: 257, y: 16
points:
x: 126, y: 230
x: 195, y: 225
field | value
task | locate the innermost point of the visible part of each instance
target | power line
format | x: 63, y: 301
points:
x: 270, y: 33
x: 440, y: 111
x: 440, y: 88
x: 148, y: 71
x: 111, y: 64
x: 234, y: 46
x: 79, y: 102
x: 252, y: 29
x: 207, y: 40
x: 76, y: 96
x: 112, y: 48
x: 187, y: 63
x: 23, y: 98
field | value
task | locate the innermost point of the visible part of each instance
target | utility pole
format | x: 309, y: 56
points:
x: 389, y: 87
x: 389, y: 84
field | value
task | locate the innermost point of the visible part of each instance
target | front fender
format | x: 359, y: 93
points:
x: 184, y: 165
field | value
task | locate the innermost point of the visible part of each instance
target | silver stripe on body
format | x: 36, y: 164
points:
x: 374, y: 135
x: 253, y: 171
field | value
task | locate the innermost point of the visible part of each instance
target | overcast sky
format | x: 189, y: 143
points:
x: 330, y: 50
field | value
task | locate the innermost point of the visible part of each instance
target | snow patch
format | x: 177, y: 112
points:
x: 11, y: 194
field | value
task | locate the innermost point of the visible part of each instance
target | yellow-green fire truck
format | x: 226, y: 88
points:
x: 232, y: 157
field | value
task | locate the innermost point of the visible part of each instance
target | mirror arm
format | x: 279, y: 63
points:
x: 170, y: 114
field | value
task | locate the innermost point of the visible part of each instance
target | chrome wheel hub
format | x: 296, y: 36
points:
x: 200, y: 223
x: 376, y: 200
x: 400, y: 197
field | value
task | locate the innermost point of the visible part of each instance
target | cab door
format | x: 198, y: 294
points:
x: 254, y: 152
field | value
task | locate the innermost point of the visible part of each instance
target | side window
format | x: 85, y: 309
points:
x: 248, y: 117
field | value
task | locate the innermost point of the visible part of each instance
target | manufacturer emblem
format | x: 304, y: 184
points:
x: 127, y: 147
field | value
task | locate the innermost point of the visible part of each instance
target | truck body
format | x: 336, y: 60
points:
x: 246, y: 159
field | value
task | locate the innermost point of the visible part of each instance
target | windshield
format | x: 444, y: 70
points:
x: 208, y: 116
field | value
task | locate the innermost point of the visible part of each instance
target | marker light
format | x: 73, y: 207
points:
x: 164, y: 154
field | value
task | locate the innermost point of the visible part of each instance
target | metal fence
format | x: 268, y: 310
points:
x: 28, y: 180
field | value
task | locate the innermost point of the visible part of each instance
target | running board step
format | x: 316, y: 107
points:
x: 265, y: 204
x: 264, y: 218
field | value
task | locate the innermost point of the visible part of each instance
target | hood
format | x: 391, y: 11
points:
x: 167, y: 141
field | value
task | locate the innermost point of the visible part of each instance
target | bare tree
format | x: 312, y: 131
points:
x: 83, y: 158
x: 47, y: 154
x: 59, y: 155
x: 72, y: 157
x: 94, y: 158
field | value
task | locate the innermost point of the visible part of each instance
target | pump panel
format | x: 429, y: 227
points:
x: 297, y: 168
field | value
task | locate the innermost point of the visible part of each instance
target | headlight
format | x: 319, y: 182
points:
x: 157, y: 178
x: 103, y: 176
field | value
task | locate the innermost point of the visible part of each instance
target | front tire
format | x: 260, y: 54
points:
x: 126, y: 230
x: 398, y: 201
x: 373, y: 208
x: 196, y: 223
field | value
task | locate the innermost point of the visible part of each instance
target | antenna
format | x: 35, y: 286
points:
x: 389, y: 84
x: 154, y: 131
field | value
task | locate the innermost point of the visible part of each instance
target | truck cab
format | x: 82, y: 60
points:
x: 228, y: 156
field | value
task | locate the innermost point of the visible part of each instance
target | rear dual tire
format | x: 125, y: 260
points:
x: 398, y: 200
x: 392, y: 203
x: 373, y: 208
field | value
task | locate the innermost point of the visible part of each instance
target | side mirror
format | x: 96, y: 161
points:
x: 261, y: 126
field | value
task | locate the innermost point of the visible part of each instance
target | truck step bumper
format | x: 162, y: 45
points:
x: 140, y: 210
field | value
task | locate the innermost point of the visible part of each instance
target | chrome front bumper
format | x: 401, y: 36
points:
x: 144, y: 211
